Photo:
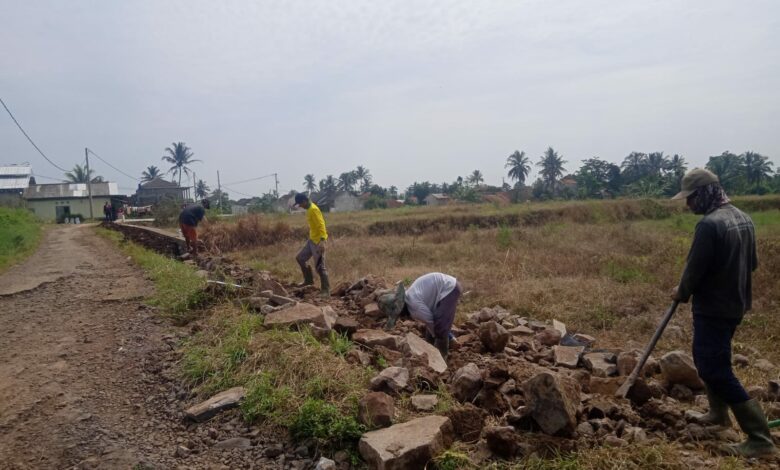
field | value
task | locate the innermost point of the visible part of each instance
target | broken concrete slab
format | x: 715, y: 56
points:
x: 393, y: 379
x: 425, y: 402
x: 493, y: 336
x: 417, y: 347
x: 567, y: 356
x: 222, y: 401
x: 553, y: 401
x: 560, y: 327
x: 407, y: 445
x: 600, y: 364
x: 299, y: 314
x: 374, y: 338
x: 677, y: 368
x: 466, y: 382
x: 376, y: 409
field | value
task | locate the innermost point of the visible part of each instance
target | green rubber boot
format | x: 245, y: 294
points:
x: 753, y: 422
x: 718, y: 415
x: 308, y: 276
x: 325, y: 286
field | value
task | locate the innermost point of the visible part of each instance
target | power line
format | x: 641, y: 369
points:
x: 49, y: 178
x: 31, y: 141
x: 253, y: 179
x: 112, y: 166
x: 238, y: 192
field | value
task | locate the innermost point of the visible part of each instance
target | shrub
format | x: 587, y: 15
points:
x: 325, y: 423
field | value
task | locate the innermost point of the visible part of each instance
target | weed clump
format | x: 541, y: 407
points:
x: 325, y: 423
x: 247, y: 232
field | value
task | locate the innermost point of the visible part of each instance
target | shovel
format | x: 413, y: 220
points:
x: 622, y: 392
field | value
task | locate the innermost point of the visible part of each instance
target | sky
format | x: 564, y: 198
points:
x: 412, y: 90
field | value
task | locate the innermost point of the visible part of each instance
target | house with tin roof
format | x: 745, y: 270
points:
x: 60, y: 201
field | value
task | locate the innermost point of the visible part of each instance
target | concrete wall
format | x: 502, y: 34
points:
x: 11, y: 200
x: 46, y: 209
x: 346, y: 203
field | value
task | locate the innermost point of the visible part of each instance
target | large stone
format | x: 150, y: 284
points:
x: 264, y: 283
x: 409, y: 445
x: 372, y: 310
x: 234, y: 443
x: 346, y: 325
x: 678, y: 368
x: 626, y: 362
x: 326, y: 464
x: 279, y: 300
x: 521, y: 330
x: 299, y: 314
x: 567, y: 356
x: 553, y: 401
x: 376, y: 409
x: 393, y: 379
x: 419, y: 348
x: 599, y: 364
x: 560, y: 326
x: 548, y: 337
x: 204, y: 411
x: 466, y: 382
x: 374, y: 338
x: 493, y: 336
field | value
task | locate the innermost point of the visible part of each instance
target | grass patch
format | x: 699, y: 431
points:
x: 20, y: 233
x: 178, y: 290
x: 293, y: 381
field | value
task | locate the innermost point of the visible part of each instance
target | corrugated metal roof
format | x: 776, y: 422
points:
x: 15, y: 170
x: 159, y: 183
x: 14, y: 182
x: 65, y: 190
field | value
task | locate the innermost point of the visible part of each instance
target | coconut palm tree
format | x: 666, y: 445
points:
x: 179, y: 156
x: 757, y: 167
x: 634, y: 166
x: 363, y: 175
x: 150, y: 173
x: 552, y: 167
x: 728, y: 167
x: 201, y: 189
x: 676, y: 165
x: 347, y: 181
x: 309, y: 183
x: 475, y: 178
x: 519, y: 166
x: 79, y: 175
x: 655, y: 162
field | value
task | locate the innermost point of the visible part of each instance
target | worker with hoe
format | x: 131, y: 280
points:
x: 315, y: 246
x: 717, y: 275
x: 189, y: 218
x: 431, y: 299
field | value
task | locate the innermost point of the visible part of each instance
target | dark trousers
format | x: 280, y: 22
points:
x: 444, y: 315
x: 712, y: 355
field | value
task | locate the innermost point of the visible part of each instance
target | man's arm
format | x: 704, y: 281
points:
x: 699, y: 258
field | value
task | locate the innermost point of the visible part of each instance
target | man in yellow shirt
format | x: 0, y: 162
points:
x: 315, y: 245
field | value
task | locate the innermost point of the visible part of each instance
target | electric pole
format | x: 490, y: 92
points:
x: 276, y: 179
x: 194, y: 187
x: 89, y: 184
x: 219, y: 191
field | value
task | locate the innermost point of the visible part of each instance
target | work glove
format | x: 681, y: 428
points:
x: 443, y: 345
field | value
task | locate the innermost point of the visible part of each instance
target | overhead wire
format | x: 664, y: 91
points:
x: 252, y: 179
x: 112, y: 166
x: 30, y: 139
x: 237, y: 192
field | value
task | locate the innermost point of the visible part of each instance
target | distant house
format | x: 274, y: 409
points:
x: 395, y: 203
x: 158, y: 189
x: 59, y: 201
x: 14, y: 179
x: 437, y: 199
x: 346, y: 202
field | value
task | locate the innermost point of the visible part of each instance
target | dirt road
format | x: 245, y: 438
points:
x: 86, y: 370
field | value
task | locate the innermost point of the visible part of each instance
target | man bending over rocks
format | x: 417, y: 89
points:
x: 431, y: 299
x: 718, y: 276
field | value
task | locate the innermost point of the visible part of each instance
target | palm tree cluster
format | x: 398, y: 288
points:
x: 79, y: 174
x: 358, y: 179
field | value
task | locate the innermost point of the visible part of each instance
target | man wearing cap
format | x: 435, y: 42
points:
x: 315, y: 245
x: 717, y: 275
x: 431, y: 299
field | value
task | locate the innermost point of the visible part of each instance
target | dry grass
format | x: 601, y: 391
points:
x: 245, y: 232
x: 609, y: 279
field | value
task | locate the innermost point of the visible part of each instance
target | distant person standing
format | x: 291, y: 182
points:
x: 107, y: 211
x: 189, y: 219
x: 315, y: 245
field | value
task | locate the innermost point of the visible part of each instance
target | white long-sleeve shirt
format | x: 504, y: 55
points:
x: 425, y: 293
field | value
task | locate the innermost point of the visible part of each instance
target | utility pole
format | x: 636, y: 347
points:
x: 89, y: 184
x: 194, y: 187
x: 219, y: 191
x: 276, y: 178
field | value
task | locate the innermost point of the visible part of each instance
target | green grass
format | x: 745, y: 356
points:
x: 20, y: 233
x: 178, y: 290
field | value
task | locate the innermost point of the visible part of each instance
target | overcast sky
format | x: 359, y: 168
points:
x: 413, y: 90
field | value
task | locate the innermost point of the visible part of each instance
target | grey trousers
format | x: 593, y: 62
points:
x: 309, y: 251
